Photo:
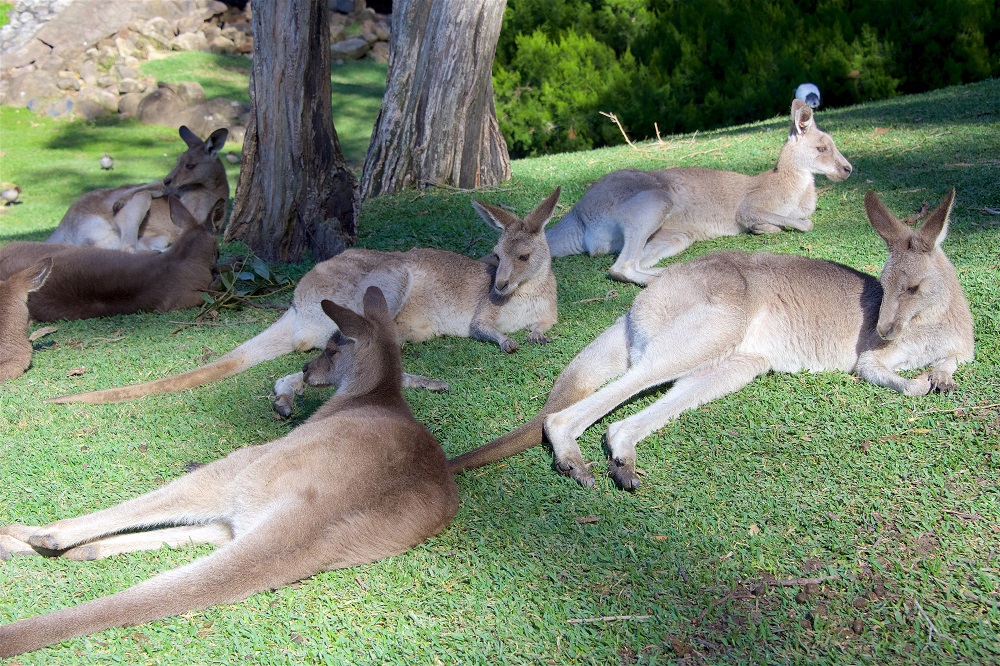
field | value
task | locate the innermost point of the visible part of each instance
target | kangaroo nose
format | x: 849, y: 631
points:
x: 848, y: 169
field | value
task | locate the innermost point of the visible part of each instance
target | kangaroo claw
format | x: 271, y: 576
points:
x: 623, y: 474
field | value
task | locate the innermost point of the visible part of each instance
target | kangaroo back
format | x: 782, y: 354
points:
x: 287, y: 509
x: 15, y: 349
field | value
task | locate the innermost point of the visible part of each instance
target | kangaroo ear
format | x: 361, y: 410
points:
x: 348, y: 321
x: 494, y: 215
x: 37, y: 274
x: 216, y: 141
x: 536, y: 219
x: 883, y: 222
x: 933, y: 231
x: 189, y: 137
x: 216, y: 216
x: 180, y: 215
x: 375, y: 304
x: 802, y: 118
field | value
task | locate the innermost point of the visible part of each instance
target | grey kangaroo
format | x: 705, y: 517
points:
x: 15, y: 349
x: 94, y: 282
x: 646, y: 216
x: 136, y: 218
x: 430, y: 292
x: 711, y: 325
x: 280, y: 511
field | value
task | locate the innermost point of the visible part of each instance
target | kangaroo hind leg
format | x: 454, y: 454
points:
x: 702, y: 385
x: 641, y: 216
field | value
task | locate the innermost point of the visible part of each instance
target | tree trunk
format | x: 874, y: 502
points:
x: 438, y: 124
x: 295, y: 192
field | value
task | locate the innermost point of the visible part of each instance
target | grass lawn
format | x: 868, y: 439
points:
x: 888, y: 503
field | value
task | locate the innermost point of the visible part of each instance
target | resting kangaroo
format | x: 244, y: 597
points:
x: 711, y: 325
x: 137, y: 218
x: 15, y: 349
x: 93, y: 282
x: 430, y: 292
x: 360, y: 480
x: 648, y: 215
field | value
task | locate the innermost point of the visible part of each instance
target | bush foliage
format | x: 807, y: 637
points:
x: 690, y: 66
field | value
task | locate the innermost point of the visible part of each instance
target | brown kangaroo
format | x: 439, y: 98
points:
x: 280, y: 511
x: 711, y: 325
x: 93, y: 282
x: 649, y: 215
x: 15, y: 349
x: 430, y: 292
x: 137, y: 218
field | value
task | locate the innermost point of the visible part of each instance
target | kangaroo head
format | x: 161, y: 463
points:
x: 363, y: 351
x: 917, y: 277
x: 522, y: 252
x: 812, y: 149
x: 199, y: 165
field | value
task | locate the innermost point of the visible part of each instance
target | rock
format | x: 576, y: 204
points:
x: 100, y: 96
x: 122, y: 71
x: 88, y: 72
x: 189, y: 41
x: 349, y: 49
x: 163, y: 106
x: 382, y: 31
x: 379, y: 52
x: 67, y: 83
x: 191, y: 92
x: 130, y: 85
x: 31, y: 85
x: 220, y: 44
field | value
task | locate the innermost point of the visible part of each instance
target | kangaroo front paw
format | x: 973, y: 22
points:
x: 538, y: 339
x: 623, y: 473
x: 283, y: 405
x: 508, y: 346
x: 941, y: 382
x: 918, y: 386
x: 577, y: 470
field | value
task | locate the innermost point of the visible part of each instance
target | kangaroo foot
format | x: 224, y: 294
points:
x: 12, y: 545
x: 426, y: 383
x: 639, y: 276
x: 508, y: 346
x: 623, y: 473
x: 941, y: 382
x: 577, y: 470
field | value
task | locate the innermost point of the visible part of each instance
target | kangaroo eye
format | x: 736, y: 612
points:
x: 524, y: 257
x: 189, y: 167
x: 821, y: 149
x: 913, y: 289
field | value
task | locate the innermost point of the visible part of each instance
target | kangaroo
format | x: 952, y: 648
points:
x: 15, y: 349
x: 93, y: 282
x: 280, y: 511
x: 136, y: 218
x: 646, y: 216
x: 710, y: 326
x: 430, y: 292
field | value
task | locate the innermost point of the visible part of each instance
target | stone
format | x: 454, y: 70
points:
x: 107, y: 81
x: 88, y: 72
x: 220, y: 44
x: 131, y: 85
x: 189, y: 41
x: 105, y: 98
x: 128, y: 105
x: 379, y: 52
x: 31, y: 85
x: 123, y: 71
x: 66, y: 83
x: 349, y: 49
x: 382, y: 31
x: 190, y: 91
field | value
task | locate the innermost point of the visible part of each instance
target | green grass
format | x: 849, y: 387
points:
x: 358, y: 86
x: 891, y: 500
x: 5, y: 7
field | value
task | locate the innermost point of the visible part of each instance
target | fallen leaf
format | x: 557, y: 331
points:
x: 583, y: 520
x: 659, y: 537
x: 992, y: 211
x: 42, y: 332
x: 754, y: 530
x: 881, y: 130
x: 75, y: 372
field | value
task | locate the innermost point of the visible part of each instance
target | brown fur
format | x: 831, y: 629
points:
x: 430, y: 292
x: 711, y: 325
x: 15, y: 349
x: 137, y: 218
x: 93, y: 282
x: 360, y: 480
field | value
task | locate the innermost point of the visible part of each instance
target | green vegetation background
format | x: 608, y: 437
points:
x: 686, y: 66
x: 890, y: 501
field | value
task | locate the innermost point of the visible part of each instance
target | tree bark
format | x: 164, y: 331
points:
x: 295, y: 192
x: 438, y: 124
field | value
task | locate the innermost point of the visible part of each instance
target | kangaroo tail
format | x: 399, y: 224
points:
x: 276, y: 340
x: 566, y: 236
x: 603, y: 359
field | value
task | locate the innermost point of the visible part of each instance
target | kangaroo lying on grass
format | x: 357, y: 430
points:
x: 136, y: 218
x: 648, y: 215
x: 711, y: 325
x: 280, y: 511
x: 93, y: 282
x: 15, y: 349
x: 430, y: 292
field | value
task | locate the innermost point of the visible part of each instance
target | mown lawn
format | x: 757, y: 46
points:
x: 889, y: 504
